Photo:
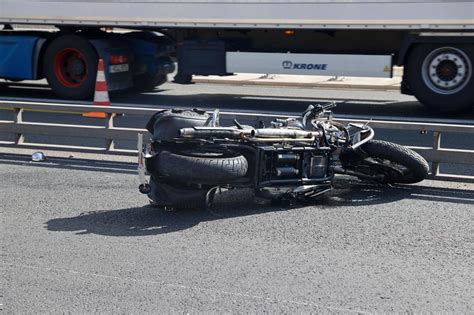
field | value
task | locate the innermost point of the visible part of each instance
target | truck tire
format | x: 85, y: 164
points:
x: 202, y: 168
x: 441, y: 77
x: 70, y: 66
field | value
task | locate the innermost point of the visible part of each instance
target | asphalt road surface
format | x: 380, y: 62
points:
x: 76, y: 236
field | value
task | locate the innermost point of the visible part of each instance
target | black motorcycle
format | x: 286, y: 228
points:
x: 191, y: 155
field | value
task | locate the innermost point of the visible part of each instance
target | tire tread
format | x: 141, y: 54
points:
x: 417, y: 165
x: 201, y: 169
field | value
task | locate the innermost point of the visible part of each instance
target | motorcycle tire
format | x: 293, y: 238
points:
x: 201, y: 168
x: 411, y: 167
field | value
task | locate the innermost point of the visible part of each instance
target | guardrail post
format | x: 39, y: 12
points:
x: 257, y: 121
x: 18, y: 119
x: 436, y: 146
x: 109, y: 124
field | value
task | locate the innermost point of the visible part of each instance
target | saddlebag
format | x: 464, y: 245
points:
x: 165, y: 124
x: 166, y: 195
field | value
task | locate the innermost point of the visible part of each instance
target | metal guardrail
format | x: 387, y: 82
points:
x: 110, y: 133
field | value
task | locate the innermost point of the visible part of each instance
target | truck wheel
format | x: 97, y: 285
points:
x: 441, y: 77
x: 70, y: 66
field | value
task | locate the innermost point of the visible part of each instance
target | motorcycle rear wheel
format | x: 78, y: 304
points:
x: 396, y: 163
x: 201, y: 168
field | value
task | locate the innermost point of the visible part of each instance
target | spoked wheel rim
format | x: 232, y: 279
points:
x: 446, y: 70
x: 393, y: 171
x: 384, y: 170
x: 70, y: 67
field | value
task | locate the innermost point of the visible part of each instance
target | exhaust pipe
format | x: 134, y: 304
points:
x: 283, y: 133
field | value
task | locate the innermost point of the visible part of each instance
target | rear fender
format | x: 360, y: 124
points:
x: 21, y: 53
x: 152, y: 52
x: 112, y: 45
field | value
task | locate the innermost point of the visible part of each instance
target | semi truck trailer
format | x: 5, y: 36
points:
x: 432, y: 39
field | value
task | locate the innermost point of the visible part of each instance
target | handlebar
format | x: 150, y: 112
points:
x: 314, y: 111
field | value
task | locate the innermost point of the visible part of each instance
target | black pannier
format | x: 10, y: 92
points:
x: 165, y: 124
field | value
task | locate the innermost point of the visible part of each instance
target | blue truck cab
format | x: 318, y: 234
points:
x: 68, y: 61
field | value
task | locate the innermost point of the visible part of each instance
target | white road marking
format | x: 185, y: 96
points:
x: 179, y: 286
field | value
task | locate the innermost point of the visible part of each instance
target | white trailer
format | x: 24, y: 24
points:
x: 292, y: 14
x: 433, y: 39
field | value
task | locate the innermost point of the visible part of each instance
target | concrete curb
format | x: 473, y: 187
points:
x: 308, y: 81
x: 302, y: 84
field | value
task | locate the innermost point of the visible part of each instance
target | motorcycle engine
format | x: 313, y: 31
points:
x: 284, y: 166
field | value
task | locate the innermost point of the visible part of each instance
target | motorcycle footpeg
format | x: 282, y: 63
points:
x: 144, y: 188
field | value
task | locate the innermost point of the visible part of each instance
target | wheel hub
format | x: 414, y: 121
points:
x: 77, y: 67
x: 446, y: 70
x: 70, y: 67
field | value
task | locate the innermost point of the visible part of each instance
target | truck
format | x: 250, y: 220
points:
x: 432, y: 39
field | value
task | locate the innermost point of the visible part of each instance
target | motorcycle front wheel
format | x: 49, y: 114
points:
x: 388, y: 162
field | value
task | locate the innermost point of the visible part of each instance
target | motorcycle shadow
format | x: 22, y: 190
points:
x: 148, y: 220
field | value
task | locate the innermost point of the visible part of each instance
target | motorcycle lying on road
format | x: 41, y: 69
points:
x: 191, y: 156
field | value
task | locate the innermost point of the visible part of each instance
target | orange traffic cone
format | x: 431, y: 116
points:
x: 101, y: 94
